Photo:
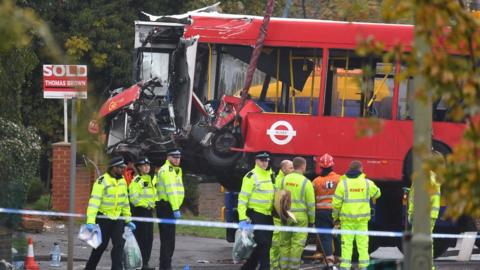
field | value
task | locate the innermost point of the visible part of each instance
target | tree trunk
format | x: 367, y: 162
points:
x: 5, y: 244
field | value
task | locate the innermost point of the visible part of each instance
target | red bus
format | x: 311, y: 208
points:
x: 309, y: 91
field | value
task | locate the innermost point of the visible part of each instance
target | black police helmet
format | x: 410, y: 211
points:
x: 142, y: 161
x: 117, y: 162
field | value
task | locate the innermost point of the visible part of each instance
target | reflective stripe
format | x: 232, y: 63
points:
x: 108, y: 203
x: 375, y: 195
x: 114, y: 195
x: 356, y: 200
x: 302, y: 193
x: 297, y: 201
x: 95, y: 197
x: 435, y: 209
x: 311, y: 204
x: 176, y: 192
x: 346, y: 260
x: 242, y: 202
x: 259, y: 201
x: 367, y: 194
x: 265, y: 191
x: 245, y: 193
x: 363, y: 261
x: 338, y: 197
x: 323, y: 204
x: 355, y: 215
x: 92, y: 205
x: 324, y: 197
x: 345, y: 187
x: 173, y: 185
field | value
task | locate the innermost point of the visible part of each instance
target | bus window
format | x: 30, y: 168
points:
x: 232, y: 76
x: 380, y: 103
x: 155, y: 64
x: 358, y: 86
x: 300, y: 66
x: 405, y: 100
x: 343, y: 89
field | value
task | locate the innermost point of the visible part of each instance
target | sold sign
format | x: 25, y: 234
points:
x: 64, y: 81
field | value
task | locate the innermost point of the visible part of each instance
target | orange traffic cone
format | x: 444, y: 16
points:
x: 30, y: 263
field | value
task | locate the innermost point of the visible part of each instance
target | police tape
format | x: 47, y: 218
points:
x: 216, y: 224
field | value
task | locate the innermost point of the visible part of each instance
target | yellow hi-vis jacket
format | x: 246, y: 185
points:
x: 279, y: 177
x: 170, y: 185
x: 302, y: 194
x: 434, y: 198
x: 142, y: 191
x: 351, y: 201
x: 110, y: 197
x: 256, y: 193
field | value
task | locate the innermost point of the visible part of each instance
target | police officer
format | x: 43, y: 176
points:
x: 170, y: 192
x: 143, y: 196
x: 303, y: 207
x: 351, y: 206
x: 110, y: 199
x: 286, y: 167
x: 324, y: 186
x: 255, y: 205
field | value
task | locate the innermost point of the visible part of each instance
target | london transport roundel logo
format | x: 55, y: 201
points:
x: 281, y: 136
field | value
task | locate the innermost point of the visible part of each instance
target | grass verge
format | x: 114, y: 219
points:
x: 207, y: 232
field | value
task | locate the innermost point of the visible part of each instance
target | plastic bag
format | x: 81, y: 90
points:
x: 132, y: 258
x: 243, y: 246
x: 93, y: 238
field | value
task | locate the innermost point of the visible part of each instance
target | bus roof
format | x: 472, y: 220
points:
x: 303, y: 33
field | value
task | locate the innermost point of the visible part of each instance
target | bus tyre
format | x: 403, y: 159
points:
x: 218, y: 153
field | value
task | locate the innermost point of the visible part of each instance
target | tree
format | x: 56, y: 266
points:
x: 455, y: 80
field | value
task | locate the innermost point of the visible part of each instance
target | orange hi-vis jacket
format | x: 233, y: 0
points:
x: 324, y: 187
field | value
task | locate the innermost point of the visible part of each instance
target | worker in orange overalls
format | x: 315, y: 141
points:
x: 324, y: 186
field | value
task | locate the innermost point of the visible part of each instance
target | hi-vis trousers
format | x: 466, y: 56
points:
x: 275, y: 249
x: 347, y: 244
x: 292, y: 244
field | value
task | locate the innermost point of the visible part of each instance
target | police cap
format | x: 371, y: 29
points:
x: 262, y: 155
x: 142, y: 161
x: 117, y: 162
x: 174, y: 152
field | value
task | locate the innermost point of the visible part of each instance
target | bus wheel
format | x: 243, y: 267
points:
x: 219, y: 153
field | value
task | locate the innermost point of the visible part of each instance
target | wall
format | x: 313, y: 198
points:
x: 211, y: 200
x: 61, y: 181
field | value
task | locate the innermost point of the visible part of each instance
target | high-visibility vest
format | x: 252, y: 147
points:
x: 324, y: 187
x: 302, y: 196
x: 143, y: 191
x: 110, y: 197
x: 170, y: 185
x: 434, y: 197
x: 279, y: 177
x: 257, y: 193
x: 351, y: 201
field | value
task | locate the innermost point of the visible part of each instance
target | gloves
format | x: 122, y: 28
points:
x: 177, y: 214
x: 245, y: 225
x: 90, y: 227
x: 131, y: 225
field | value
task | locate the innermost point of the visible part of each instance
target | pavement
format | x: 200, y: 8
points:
x: 198, y: 253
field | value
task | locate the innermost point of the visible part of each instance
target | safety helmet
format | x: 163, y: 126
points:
x: 326, y: 161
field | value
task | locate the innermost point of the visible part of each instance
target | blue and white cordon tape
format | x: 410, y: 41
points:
x: 216, y: 224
